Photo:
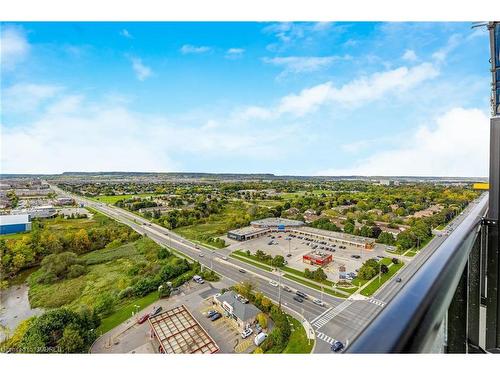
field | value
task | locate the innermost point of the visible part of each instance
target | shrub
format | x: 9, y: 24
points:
x: 76, y: 270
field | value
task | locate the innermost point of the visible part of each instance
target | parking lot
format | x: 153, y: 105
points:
x: 292, y: 247
x: 226, y: 331
x: 131, y: 337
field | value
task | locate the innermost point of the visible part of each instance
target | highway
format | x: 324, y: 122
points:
x: 341, y: 320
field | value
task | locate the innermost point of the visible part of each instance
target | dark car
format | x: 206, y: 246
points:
x: 298, y: 299
x: 211, y: 313
x: 155, y: 311
x: 398, y: 280
x: 288, y: 255
x: 242, y: 270
x: 337, y: 346
x: 301, y: 294
x: 215, y: 317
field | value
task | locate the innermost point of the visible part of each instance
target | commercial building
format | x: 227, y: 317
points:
x: 178, y: 332
x: 243, y: 313
x: 61, y: 201
x: 338, y: 238
x: 42, y: 212
x: 317, y: 258
x: 276, y: 223
x: 247, y: 233
x: 14, y: 224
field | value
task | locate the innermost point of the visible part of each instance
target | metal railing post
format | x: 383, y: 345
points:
x: 457, y: 317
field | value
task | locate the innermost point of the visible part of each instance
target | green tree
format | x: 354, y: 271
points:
x: 278, y: 261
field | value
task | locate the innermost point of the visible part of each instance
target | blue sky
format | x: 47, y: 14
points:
x: 285, y: 98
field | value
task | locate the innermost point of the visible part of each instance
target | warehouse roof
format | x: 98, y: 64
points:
x: 14, y: 219
x: 179, y: 333
x: 276, y: 221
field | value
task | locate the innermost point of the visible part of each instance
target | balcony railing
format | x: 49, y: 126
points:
x: 442, y: 308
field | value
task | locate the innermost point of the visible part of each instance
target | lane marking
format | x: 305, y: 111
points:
x: 324, y: 318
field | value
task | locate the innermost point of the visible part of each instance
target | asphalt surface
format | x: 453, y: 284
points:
x: 340, y: 320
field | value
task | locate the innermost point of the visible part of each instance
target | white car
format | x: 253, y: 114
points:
x: 273, y: 283
x: 224, y: 258
x: 247, y: 332
x: 319, y: 302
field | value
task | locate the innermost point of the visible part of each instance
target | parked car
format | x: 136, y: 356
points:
x: 247, y: 332
x: 198, y: 279
x: 211, y: 313
x: 298, y: 299
x: 156, y: 310
x: 143, y: 318
x: 273, y: 283
x: 319, y: 302
x: 288, y: 255
x: 337, y: 346
x: 215, y: 317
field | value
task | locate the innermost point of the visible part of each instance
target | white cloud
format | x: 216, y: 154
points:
x: 78, y: 135
x: 190, y: 49
x: 125, y: 33
x: 141, y: 71
x: 14, y: 46
x: 453, y: 42
x: 27, y: 97
x: 410, y: 55
x: 234, y: 53
x: 355, y: 93
x: 455, y: 145
x: 289, y: 33
x: 301, y: 64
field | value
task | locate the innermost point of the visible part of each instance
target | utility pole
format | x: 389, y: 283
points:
x: 279, y: 288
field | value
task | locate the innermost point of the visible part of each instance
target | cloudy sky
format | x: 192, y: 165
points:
x: 284, y: 98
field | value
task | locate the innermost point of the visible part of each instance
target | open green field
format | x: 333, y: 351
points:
x: 215, y: 225
x: 109, y: 271
x: 112, y: 199
x: 13, y: 236
x: 375, y: 284
x: 124, y: 312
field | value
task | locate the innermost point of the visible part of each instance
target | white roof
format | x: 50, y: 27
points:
x: 14, y: 219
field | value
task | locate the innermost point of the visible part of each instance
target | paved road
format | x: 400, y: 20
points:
x: 342, y: 319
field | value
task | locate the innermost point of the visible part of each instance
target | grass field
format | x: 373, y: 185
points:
x: 125, y: 311
x: 375, y: 284
x: 312, y: 285
x: 298, y: 342
x: 108, y: 272
x: 112, y: 199
x: 13, y: 236
x: 246, y: 260
x: 215, y: 225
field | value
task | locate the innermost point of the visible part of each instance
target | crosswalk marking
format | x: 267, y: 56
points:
x: 377, y: 302
x: 329, y: 314
x: 325, y: 338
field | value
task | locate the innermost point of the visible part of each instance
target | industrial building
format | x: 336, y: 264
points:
x: 317, y: 258
x: 243, y: 313
x: 42, y: 212
x: 14, y: 223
